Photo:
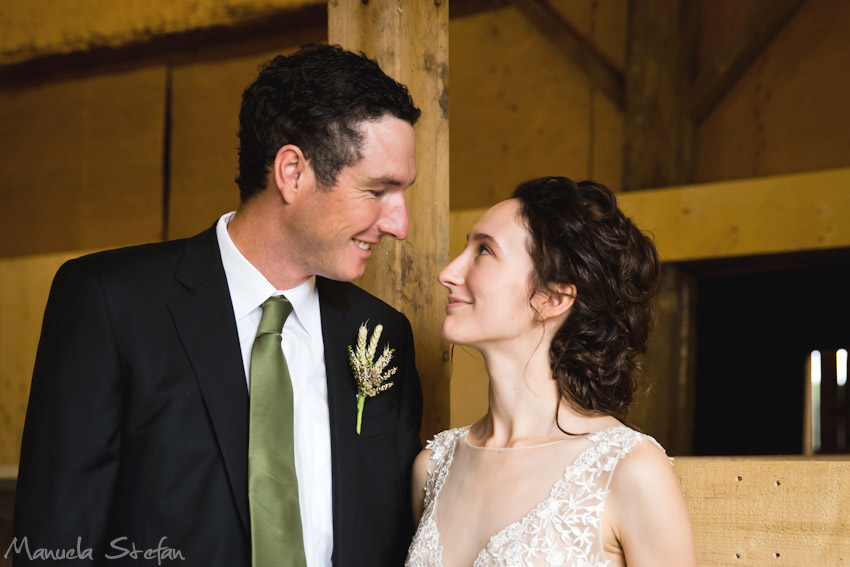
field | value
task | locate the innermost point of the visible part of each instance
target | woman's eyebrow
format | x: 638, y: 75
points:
x: 483, y: 237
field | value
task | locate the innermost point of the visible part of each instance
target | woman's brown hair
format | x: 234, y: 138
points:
x: 579, y: 237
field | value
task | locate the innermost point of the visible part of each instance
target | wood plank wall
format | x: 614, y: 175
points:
x: 781, y: 512
x: 84, y: 167
x: 83, y: 164
x: 520, y: 108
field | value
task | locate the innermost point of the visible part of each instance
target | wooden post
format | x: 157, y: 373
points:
x: 664, y: 408
x: 409, y: 39
x: 658, y: 153
x: 660, y: 57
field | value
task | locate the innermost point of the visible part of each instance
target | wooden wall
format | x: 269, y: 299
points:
x: 104, y: 148
x: 521, y: 108
x: 782, y: 512
x: 111, y: 153
x: 786, y: 113
x: 789, y: 111
x: 82, y: 161
x: 118, y: 126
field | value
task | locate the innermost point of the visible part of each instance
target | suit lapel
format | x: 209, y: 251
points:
x: 342, y: 406
x: 207, y: 329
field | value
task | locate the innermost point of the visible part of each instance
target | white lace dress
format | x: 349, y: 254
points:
x: 492, y: 488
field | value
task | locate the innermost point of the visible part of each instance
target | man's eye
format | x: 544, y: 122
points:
x: 482, y: 250
x: 377, y: 192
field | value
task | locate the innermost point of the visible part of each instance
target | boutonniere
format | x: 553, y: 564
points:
x: 369, y: 373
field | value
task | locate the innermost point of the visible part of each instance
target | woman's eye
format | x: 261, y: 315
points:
x: 482, y: 250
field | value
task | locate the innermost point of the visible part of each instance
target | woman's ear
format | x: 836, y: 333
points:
x: 292, y: 172
x: 553, y: 302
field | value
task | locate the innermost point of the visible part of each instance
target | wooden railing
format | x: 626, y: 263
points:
x: 768, y: 511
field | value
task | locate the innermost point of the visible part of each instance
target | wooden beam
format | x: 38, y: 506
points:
x: 598, y: 69
x: 409, y: 38
x: 464, y: 8
x: 45, y: 28
x: 782, y: 512
x: 716, y: 78
x: 748, y: 217
x: 658, y: 148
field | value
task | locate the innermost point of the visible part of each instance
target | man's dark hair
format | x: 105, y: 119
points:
x: 315, y: 99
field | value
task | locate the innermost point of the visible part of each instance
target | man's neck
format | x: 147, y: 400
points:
x: 256, y: 233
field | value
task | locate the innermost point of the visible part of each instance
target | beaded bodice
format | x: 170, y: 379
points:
x: 562, y: 530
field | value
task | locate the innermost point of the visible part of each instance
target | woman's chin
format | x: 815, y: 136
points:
x: 448, y: 337
x: 456, y: 336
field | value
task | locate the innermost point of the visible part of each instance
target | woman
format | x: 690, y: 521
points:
x: 554, y: 290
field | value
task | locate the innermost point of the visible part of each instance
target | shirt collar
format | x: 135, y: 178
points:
x: 249, y: 288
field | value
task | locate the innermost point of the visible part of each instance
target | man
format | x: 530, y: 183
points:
x: 139, y: 443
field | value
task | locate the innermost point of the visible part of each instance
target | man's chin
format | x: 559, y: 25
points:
x: 348, y: 275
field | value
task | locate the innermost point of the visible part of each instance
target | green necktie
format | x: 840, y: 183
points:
x: 276, y: 538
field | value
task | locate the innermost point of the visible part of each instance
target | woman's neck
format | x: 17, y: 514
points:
x: 524, y: 398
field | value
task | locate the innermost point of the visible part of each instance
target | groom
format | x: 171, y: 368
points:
x: 145, y: 438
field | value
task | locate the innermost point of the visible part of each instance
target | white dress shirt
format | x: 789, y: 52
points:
x: 303, y: 347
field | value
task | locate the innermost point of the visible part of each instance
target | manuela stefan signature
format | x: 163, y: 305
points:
x: 118, y: 548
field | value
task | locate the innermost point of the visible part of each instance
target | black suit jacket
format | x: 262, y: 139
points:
x: 137, y: 425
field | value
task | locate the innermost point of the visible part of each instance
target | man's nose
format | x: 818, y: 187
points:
x: 395, y: 222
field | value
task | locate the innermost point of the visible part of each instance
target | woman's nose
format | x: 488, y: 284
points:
x: 451, y: 274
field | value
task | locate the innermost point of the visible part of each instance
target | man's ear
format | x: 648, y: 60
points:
x: 554, y: 303
x: 292, y: 172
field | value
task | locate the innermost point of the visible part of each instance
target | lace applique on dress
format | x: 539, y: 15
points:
x: 561, y: 531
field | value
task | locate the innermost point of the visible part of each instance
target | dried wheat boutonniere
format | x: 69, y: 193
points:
x: 370, y: 375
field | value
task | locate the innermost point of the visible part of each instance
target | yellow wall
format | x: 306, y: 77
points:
x: 83, y: 166
x: 520, y: 109
x: 789, y: 113
x: 81, y: 162
x: 82, y: 157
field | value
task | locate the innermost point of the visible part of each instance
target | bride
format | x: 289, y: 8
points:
x: 554, y: 290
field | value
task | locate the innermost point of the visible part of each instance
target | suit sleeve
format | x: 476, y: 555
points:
x: 72, y: 435
x: 409, y: 424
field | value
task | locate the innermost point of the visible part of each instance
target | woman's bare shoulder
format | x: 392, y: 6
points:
x: 646, y: 510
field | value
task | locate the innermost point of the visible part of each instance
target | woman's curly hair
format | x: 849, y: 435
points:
x: 579, y: 237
